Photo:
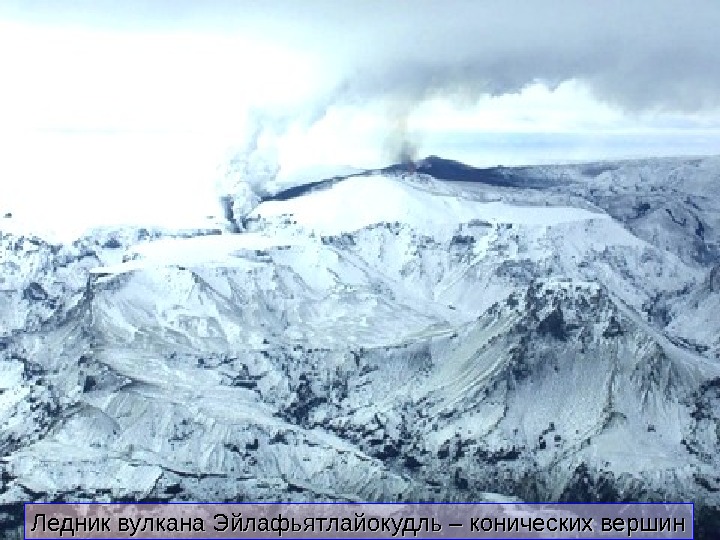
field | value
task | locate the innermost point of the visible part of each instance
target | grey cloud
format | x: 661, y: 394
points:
x: 633, y: 53
x: 638, y: 55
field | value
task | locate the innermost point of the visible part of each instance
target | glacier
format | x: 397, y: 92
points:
x: 542, y: 333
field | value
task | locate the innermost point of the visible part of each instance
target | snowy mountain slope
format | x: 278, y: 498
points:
x: 398, y: 335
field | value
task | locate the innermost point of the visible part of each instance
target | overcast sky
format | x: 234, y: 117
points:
x: 147, y: 95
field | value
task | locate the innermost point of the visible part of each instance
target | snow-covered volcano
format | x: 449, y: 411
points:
x: 541, y: 333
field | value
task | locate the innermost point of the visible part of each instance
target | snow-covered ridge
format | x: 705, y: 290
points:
x: 422, y: 203
x: 428, y: 205
x: 207, y: 250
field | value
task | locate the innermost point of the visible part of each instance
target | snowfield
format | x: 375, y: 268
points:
x: 541, y: 333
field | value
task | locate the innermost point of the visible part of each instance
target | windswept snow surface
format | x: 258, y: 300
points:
x: 550, y: 335
x: 424, y: 204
